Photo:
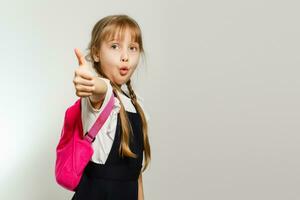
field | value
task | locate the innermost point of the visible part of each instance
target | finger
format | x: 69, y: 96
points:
x: 82, y: 88
x: 83, y: 94
x: 83, y: 81
x: 85, y: 74
x: 80, y: 58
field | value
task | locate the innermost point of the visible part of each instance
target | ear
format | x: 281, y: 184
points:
x: 96, y: 58
x: 96, y: 55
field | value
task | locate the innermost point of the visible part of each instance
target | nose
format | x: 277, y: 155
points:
x: 124, y: 57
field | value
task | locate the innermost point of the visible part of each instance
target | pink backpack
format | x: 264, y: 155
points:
x: 74, y: 150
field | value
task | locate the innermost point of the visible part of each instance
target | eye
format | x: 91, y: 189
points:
x: 114, y: 46
x: 134, y: 48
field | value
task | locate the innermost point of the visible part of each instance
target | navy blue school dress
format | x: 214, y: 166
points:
x: 117, y: 178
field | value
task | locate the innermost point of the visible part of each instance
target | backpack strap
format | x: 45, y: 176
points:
x: 91, y: 134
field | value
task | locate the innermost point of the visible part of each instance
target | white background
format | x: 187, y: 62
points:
x: 221, y: 85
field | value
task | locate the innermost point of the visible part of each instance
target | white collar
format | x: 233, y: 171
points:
x: 126, y: 102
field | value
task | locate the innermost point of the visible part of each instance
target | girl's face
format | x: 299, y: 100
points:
x: 119, y: 59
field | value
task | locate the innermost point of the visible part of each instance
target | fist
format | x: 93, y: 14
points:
x: 84, y: 80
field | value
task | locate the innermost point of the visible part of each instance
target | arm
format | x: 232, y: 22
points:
x: 98, y: 96
x: 140, y: 188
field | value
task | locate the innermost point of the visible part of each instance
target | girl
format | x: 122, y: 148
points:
x: 115, y: 169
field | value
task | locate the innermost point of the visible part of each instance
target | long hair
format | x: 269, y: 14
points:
x: 103, y: 30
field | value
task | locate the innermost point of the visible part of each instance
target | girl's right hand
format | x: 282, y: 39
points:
x: 84, y: 80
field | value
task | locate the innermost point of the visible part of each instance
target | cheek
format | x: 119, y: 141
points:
x: 111, y: 57
x: 135, y: 59
x: 109, y: 62
x: 133, y: 69
x: 134, y: 66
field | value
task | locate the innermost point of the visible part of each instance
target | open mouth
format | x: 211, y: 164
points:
x: 124, y: 70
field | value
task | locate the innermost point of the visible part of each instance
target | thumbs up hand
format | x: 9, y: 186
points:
x: 84, y: 80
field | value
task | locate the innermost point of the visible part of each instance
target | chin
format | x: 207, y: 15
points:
x: 120, y: 82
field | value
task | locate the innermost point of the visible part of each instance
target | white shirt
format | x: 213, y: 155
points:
x: 105, y: 137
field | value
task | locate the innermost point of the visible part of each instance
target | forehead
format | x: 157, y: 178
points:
x: 120, y: 33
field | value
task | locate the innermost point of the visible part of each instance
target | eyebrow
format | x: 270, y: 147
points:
x: 114, y: 39
x: 119, y: 41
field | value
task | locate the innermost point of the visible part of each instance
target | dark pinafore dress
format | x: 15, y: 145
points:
x: 117, y: 179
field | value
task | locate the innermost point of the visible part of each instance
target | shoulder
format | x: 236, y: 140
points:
x: 142, y: 103
x: 129, y: 106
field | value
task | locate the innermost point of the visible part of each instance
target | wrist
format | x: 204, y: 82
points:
x: 96, y: 102
x: 100, y: 87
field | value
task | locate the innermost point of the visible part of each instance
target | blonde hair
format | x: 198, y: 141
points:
x: 104, y: 30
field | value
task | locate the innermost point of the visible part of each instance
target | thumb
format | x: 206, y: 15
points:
x: 80, y: 58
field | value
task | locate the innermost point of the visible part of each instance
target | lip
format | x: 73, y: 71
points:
x: 124, y: 70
